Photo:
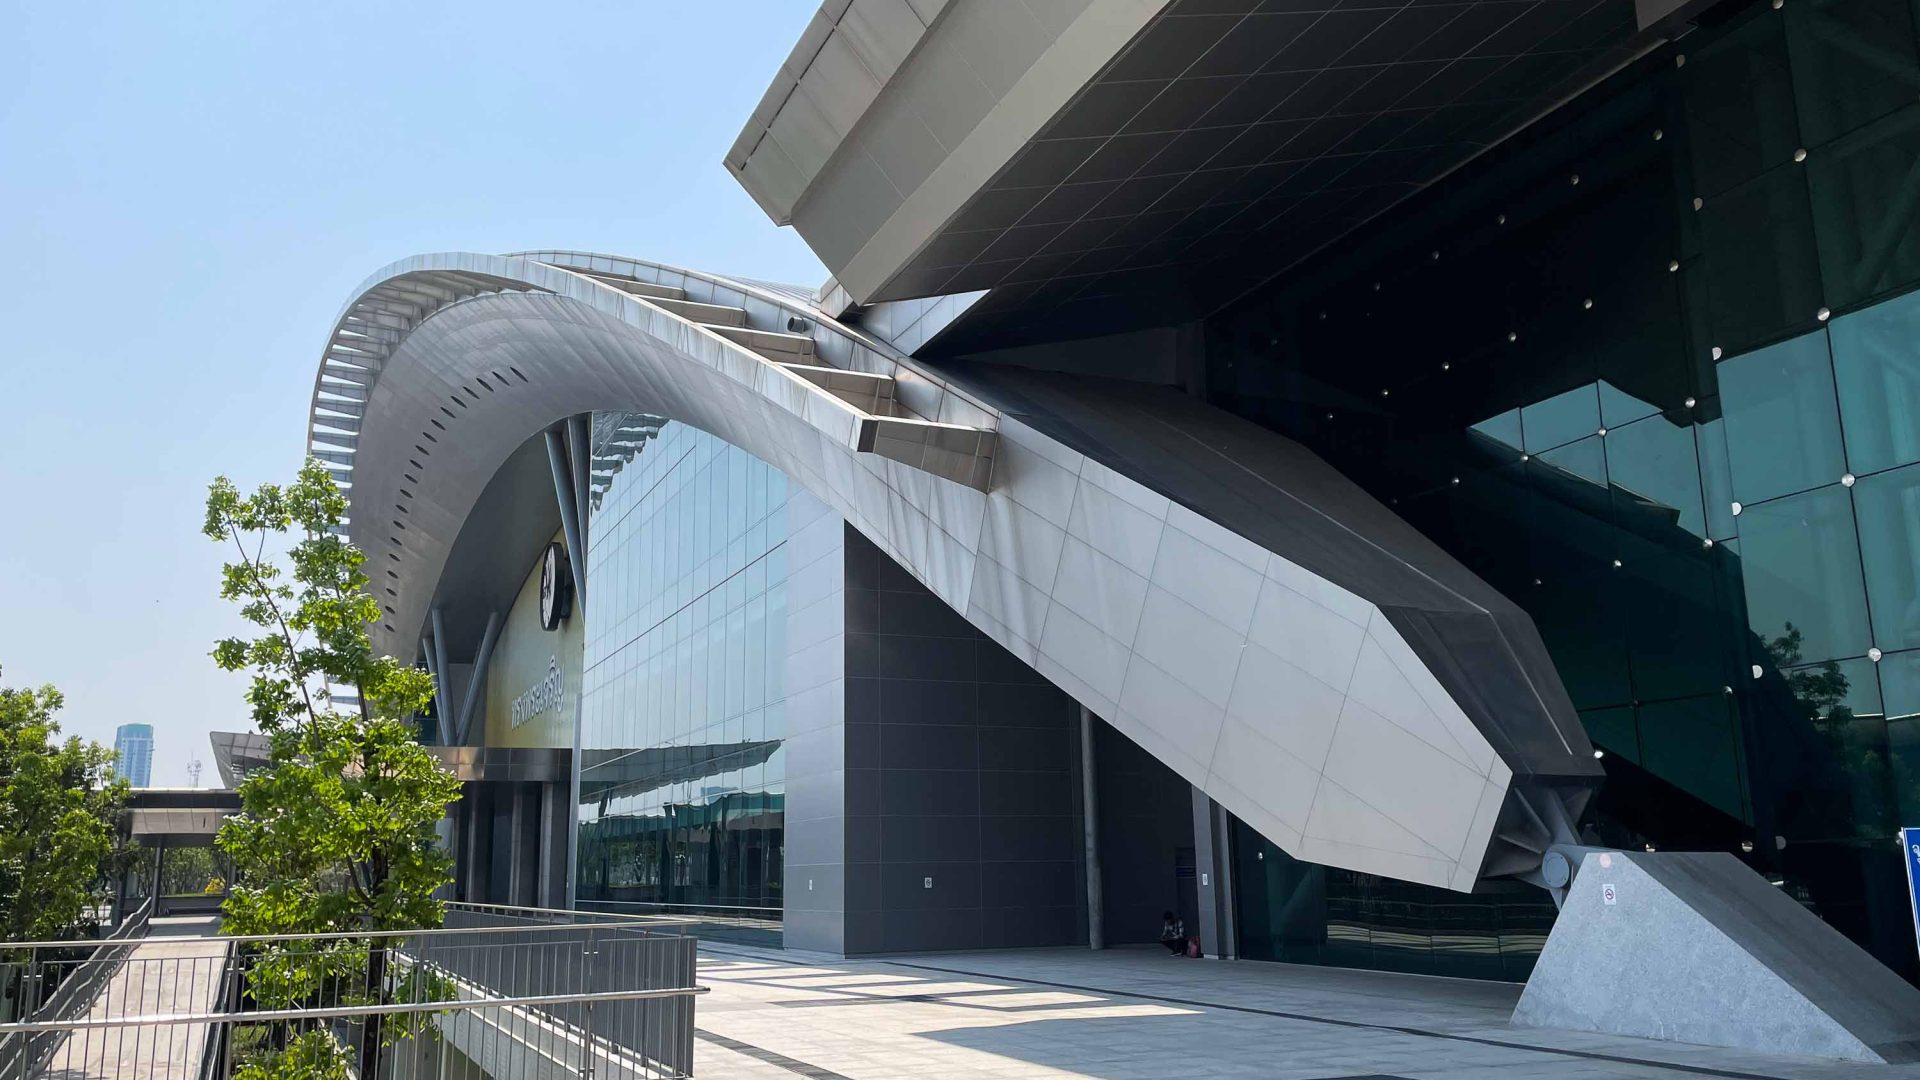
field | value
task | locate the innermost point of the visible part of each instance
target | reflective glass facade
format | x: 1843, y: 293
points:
x: 1304, y: 913
x: 682, y: 785
x: 1652, y: 370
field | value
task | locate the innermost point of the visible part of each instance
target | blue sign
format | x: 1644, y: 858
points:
x: 1910, y: 843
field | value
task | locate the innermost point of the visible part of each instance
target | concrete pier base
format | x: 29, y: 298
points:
x: 1697, y: 948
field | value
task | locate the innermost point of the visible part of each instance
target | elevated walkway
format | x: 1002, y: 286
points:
x: 176, y: 970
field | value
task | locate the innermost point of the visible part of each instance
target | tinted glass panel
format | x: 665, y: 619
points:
x: 1888, y: 506
x: 1866, y: 246
x: 1618, y: 407
x: 1585, y: 460
x: 1613, y: 730
x: 1716, y: 478
x: 1301, y: 912
x: 1801, y: 565
x: 1876, y: 362
x: 1690, y: 742
x: 1504, y: 428
x: 1900, y: 689
x: 1617, y: 291
x: 1561, y: 418
x: 1679, y: 620
x: 682, y: 783
x: 1763, y: 274
x: 1782, y: 426
x: 1836, y: 86
x: 1655, y: 473
x: 1847, y: 785
x: 1739, y: 97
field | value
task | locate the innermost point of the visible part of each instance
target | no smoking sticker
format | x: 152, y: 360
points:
x: 1607, y: 895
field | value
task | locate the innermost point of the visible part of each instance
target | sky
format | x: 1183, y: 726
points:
x: 189, y: 193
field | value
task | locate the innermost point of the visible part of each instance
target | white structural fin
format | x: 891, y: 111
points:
x: 1357, y: 710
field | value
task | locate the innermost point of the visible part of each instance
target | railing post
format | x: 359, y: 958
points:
x: 586, y: 1043
x: 31, y: 994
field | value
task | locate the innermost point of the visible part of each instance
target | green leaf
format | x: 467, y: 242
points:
x: 336, y: 831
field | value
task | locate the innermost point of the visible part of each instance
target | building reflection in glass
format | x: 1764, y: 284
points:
x: 1674, y: 412
x: 682, y: 781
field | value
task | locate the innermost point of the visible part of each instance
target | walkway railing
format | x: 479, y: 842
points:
x: 55, y: 981
x: 505, y: 993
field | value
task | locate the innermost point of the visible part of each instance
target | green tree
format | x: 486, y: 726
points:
x: 336, y: 833
x: 59, y: 808
x: 190, y: 870
x: 1852, y: 792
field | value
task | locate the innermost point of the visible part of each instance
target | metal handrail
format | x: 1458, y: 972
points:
x: 347, y: 1012
x: 76, y: 992
x: 627, y: 922
x: 134, y: 925
x: 213, y: 1054
x: 564, y: 986
x: 525, y: 911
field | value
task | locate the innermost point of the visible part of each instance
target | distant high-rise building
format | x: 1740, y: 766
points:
x: 134, y: 744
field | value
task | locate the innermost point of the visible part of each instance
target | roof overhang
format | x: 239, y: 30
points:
x: 442, y: 366
x: 1147, y: 159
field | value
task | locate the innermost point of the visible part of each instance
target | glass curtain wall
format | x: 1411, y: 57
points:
x: 1304, y: 913
x: 1653, y: 371
x: 682, y: 784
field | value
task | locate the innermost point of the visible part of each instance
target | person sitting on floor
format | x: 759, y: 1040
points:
x: 1173, y: 933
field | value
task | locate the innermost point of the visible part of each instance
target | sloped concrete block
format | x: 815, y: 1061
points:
x: 1695, y: 947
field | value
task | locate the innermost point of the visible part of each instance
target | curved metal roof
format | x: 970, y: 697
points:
x: 1326, y: 677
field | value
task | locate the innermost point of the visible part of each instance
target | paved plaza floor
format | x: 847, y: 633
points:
x: 1138, y: 1014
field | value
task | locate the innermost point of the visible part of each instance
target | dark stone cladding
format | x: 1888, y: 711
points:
x: 961, y: 770
x: 1482, y: 647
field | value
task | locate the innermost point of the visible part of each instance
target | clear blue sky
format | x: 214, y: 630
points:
x: 189, y: 192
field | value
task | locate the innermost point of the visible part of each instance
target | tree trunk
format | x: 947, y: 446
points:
x: 376, y: 976
x: 377, y: 992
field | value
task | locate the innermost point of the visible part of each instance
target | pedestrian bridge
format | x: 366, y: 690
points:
x: 507, y: 993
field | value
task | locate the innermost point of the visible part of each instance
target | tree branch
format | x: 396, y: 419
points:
x: 266, y: 594
x: 339, y: 589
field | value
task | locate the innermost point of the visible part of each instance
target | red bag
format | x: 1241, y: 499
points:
x: 1193, y: 948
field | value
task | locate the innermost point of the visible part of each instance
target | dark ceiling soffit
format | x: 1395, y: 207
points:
x: 1578, y: 85
x: 1202, y: 288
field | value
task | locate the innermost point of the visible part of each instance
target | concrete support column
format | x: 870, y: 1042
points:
x: 1224, y: 884
x: 476, y: 830
x: 554, y: 835
x: 516, y: 865
x: 120, y: 896
x: 153, y: 888
x: 522, y: 871
x: 448, y: 833
x: 1090, y: 817
x: 1213, y: 876
x: 570, y: 855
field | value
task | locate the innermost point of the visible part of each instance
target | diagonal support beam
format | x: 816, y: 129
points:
x: 439, y: 685
x: 569, y: 512
x: 580, y: 456
x: 442, y: 674
x: 477, y: 678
